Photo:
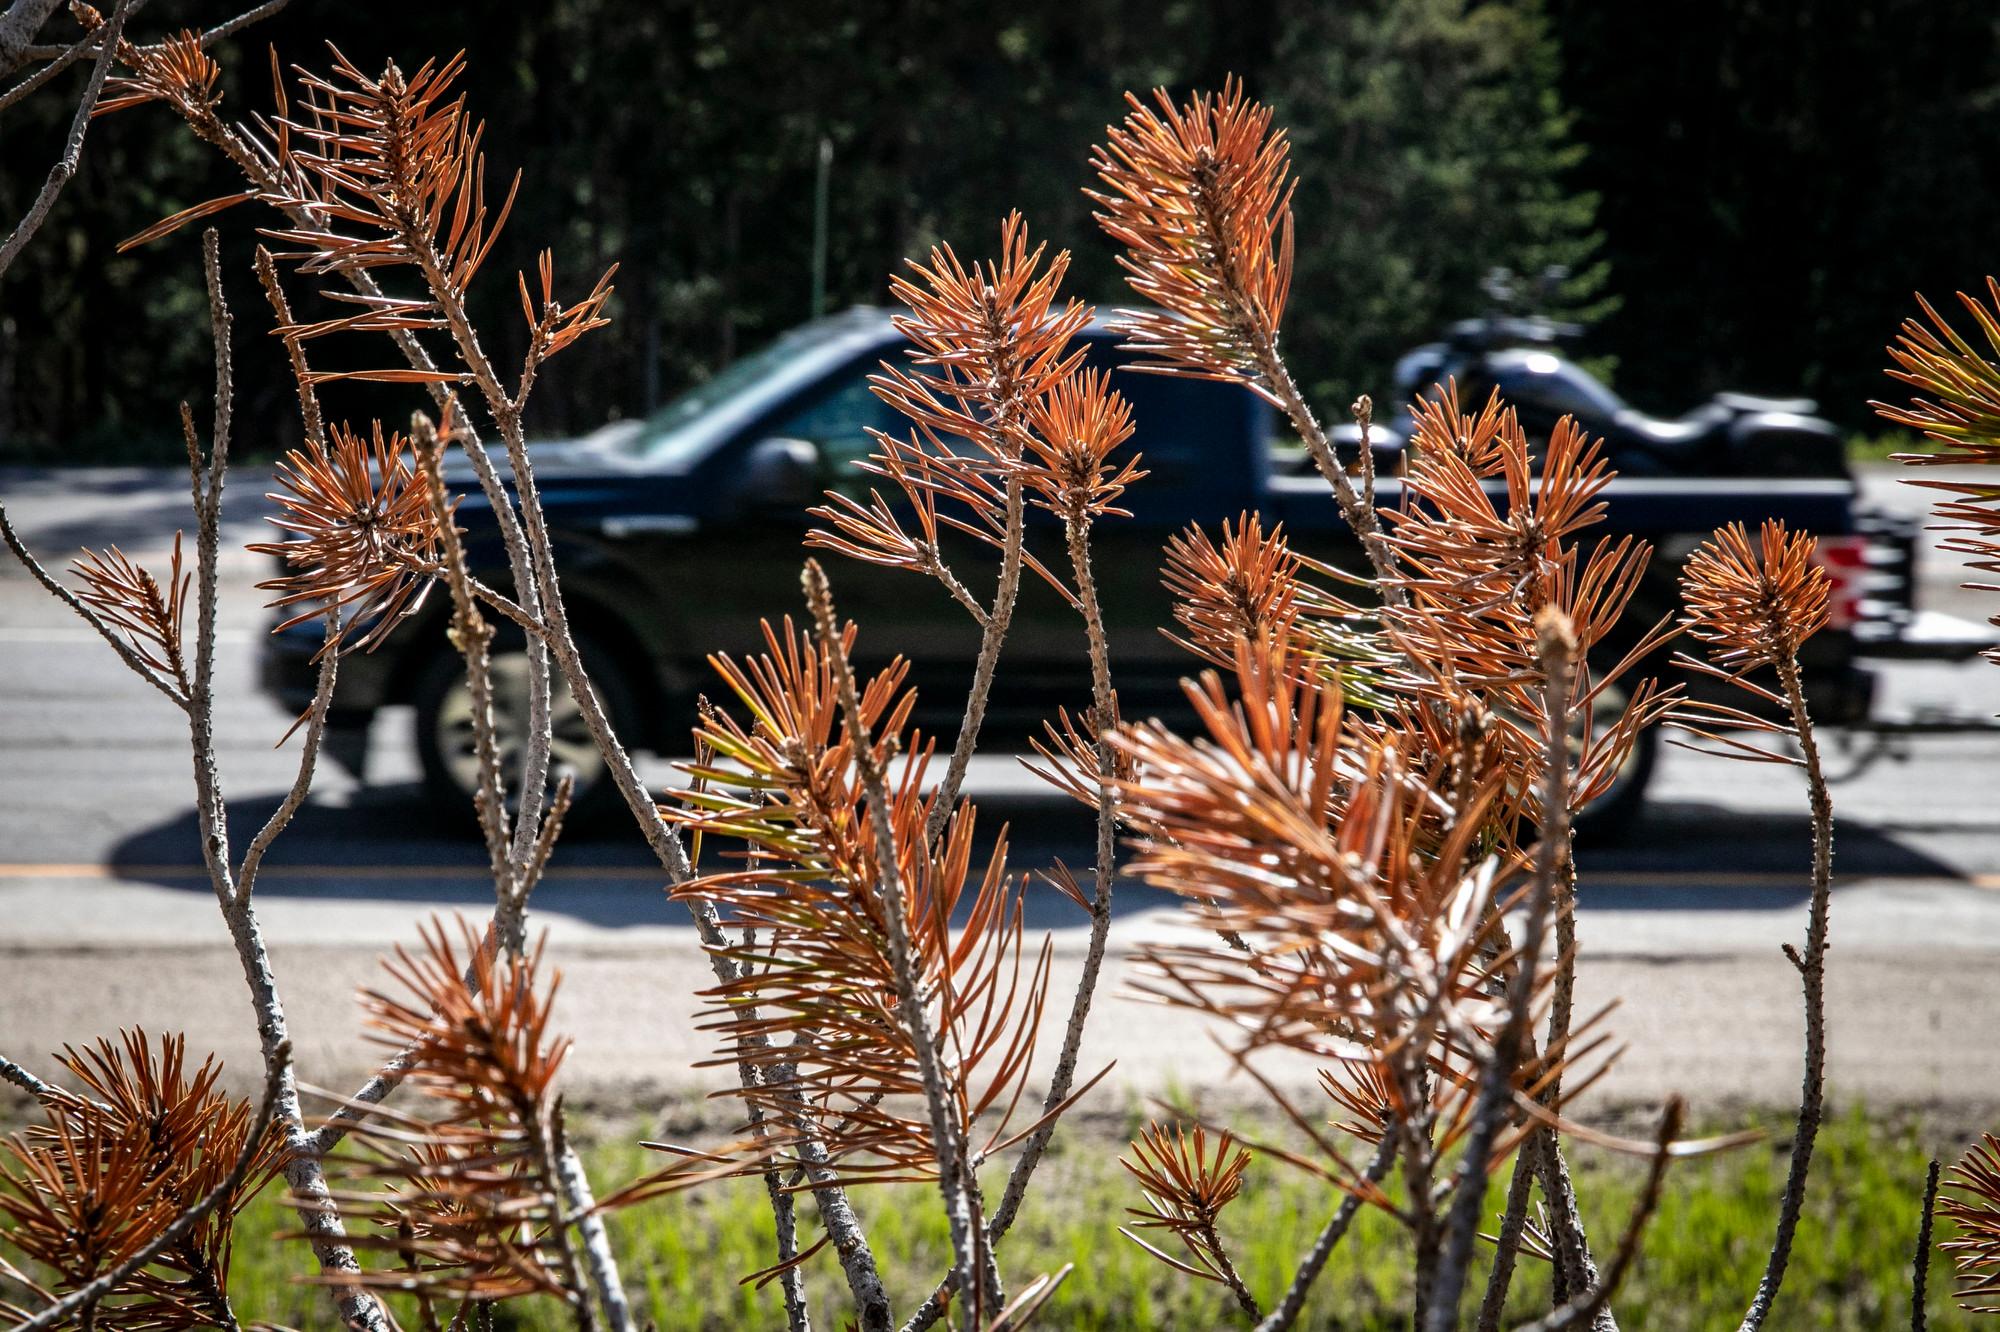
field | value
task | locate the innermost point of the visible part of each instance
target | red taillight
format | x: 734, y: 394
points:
x: 1845, y: 559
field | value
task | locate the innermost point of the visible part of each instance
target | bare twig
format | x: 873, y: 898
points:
x: 1231, y: 1278
x: 60, y: 58
x: 1363, y: 409
x: 992, y: 635
x: 274, y: 292
x: 316, y: 1208
x: 315, y: 725
x: 589, y: 1225
x: 474, y: 637
x: 277, y: 1071
x: 1812, y: 974
x: 205, y: 480
x: 506, y: 414
x: 784, y: 1217
x: 58, y: 61
x: 230, y: 27
x: 65, y: 167
x: 1544, y: 1150
x: 1575, y: 1268
x: 1584, y: 1306
x: 22, y: 1078
x: 960, y: 1200
x: 1920, y: 1261
x: 1496, y: 1078
x: 1507, y: 1242
x: 1277, y: 380
x: 1103, y: 708
x: 19, y: 23
x: 1294, y: 1300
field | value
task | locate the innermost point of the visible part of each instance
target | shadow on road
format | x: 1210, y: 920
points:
x: 1723, y: 852
x: 389, y: 845
x: 137, y: 509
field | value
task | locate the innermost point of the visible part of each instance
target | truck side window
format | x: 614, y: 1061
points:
x: 838, y: 421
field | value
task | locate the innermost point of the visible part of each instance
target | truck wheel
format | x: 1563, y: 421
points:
x: 448, y: 753
x: 1611, y: 816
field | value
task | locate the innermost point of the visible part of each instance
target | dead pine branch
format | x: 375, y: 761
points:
x: 1186, y: 1186
x: 1200, y: 196
x: 254, y: 1148
x: 1753, y: 603
x: 428, y: 151
x: 1075, y: 429
x: 988, y: 341
x: 319, y: 1213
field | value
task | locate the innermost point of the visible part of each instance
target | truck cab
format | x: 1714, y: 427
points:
x: 677, y: 533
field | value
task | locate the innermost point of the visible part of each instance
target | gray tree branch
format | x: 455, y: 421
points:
x: 1294, y: 1299
x: 65, y: 167
x: 1811, y: 967
x: 19, y: 23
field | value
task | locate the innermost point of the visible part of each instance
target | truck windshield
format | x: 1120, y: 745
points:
x: 681, y: 433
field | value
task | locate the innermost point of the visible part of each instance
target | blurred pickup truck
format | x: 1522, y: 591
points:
x: 678, y: 532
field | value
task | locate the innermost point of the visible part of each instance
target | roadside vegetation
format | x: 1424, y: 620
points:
x: 1857, y: 1267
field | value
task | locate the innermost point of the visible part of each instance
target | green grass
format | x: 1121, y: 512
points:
x: 1882, y: 445
x: 683, y: 1255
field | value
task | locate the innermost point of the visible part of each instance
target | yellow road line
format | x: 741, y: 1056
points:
x: 478, y: 873
x: 468, y: 873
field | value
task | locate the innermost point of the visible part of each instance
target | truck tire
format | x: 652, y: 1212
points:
x: 446, y: 749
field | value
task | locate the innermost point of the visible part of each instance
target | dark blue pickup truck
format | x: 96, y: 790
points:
x: 678, y: 532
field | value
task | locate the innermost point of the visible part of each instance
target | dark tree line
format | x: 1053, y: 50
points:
x: 1743, y: 194
x: 1777, y: 177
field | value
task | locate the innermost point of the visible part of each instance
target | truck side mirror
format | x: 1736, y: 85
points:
x: 779, y: 473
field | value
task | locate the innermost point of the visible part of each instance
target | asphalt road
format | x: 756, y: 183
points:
x: 105, y: 918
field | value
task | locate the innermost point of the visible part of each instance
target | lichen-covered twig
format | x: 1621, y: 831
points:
x: 1583, y: 1307
x: 1496, y: 1076
x: 962, y: 1211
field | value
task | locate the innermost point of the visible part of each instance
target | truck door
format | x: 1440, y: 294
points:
x: 1205, y: 448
